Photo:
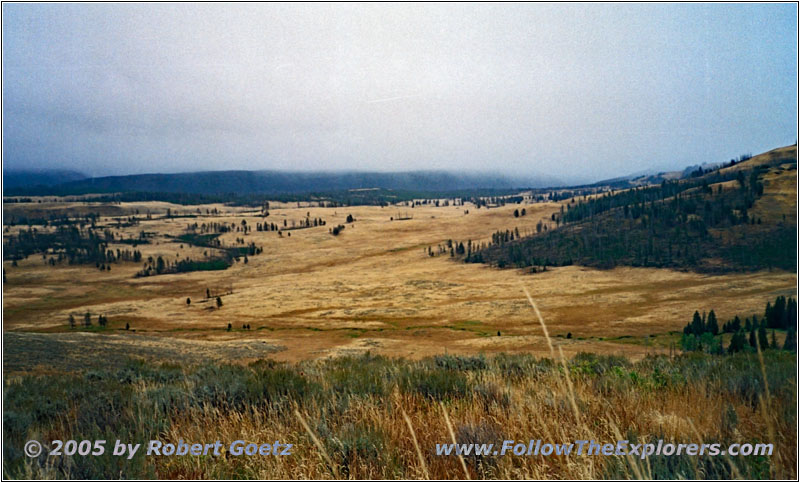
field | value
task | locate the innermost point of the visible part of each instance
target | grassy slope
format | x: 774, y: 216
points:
x: 609, y: 239
x: 354, y: 406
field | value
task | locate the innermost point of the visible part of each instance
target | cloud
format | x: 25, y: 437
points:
x: 570, y: 90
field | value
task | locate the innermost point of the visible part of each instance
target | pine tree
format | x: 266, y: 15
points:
x: 736, y: 325
x: 752, y: 338
x: 763, y: 343
x: 791, y: 340
x: 71, y: 321
x: 219, y: 302
x: 737, y: 342
x: 697, y: 323
x: 711, y: 324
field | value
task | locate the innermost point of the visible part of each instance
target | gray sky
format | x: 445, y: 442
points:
x: 577, y: 91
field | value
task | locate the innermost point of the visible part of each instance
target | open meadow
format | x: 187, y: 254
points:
x: 399, y: 241
x: 360, y: 332
x: 374, y: 287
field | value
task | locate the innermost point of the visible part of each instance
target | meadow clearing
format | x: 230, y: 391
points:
x: 371, y: 288
x: 367, y: 348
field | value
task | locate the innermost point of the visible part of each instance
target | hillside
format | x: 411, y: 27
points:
x: 739, y: 217
x: 278, y: 182
x: 41, y: 178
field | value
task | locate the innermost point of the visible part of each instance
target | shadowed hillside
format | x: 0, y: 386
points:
x: 247, y: 182
x: 739, y: 217
x: 31, y: 179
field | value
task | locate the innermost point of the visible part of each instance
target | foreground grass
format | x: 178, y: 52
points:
x: 354, y: 408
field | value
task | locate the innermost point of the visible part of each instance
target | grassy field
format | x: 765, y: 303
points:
x: 346, y: 416
x: 373, y: 287
x: 327, y: 342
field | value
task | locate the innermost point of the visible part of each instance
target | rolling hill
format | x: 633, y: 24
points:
x: 278, y: 182
x: 738, y: 217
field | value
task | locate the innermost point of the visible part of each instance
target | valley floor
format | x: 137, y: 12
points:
x: 372, y: 288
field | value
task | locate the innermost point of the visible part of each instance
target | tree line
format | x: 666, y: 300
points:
x: 703, y: 333
x: 680, y: 224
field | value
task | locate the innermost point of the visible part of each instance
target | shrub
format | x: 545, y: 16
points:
x: 437, y: 384
x: 461, y: 363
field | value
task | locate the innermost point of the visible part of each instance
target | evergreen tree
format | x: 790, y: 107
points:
x: 736, y: 325
x: 711, y: 323
x: 87, y: 319
x: 773, y: 343
x: 697, y: 324
x: 752, y: 338
x: 71, y: 321
x: 737, y: 342
x: 763, y: 343
x: 790, y: 315
x: 219, y: 302
x: 791, y: 340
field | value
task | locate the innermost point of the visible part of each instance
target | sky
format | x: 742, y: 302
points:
x: 576, y: 91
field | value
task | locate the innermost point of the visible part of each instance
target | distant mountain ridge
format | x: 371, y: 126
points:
x: 45, y: 177
x: 278, y: 182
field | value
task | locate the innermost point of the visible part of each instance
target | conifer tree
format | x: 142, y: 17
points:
x: 711, y: 323
x: 790, y: 344
x: 763, y: 343
x: 697, y: 324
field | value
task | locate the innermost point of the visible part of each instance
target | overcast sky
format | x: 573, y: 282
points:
x: 577, y: 91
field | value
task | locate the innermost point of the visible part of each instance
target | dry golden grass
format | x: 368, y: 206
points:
x: 392, y: 433
x: 374, y: 288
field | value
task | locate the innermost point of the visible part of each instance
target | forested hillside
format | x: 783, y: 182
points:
x: 738, y: 217
x: 280, y: 182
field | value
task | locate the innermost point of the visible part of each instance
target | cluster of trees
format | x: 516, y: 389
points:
x: 681, y: 224
x: 503, y: 237
x: 54, y: 219
x: 225, y: 257
x: 159, y: 266
x: 438, y: 202
x: 704, y: 333
x: 76, y: 240
x: 70, y: 243
x: 212, y: 227
x: 102, y: 320
x: 496, y: 201
x: 308, y: 222
x: 573, y: 193
x: 336, y: 230
x: 470, y: 250
x: 454, y: 248
x: 518, y: 213
x: 267, y: 226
